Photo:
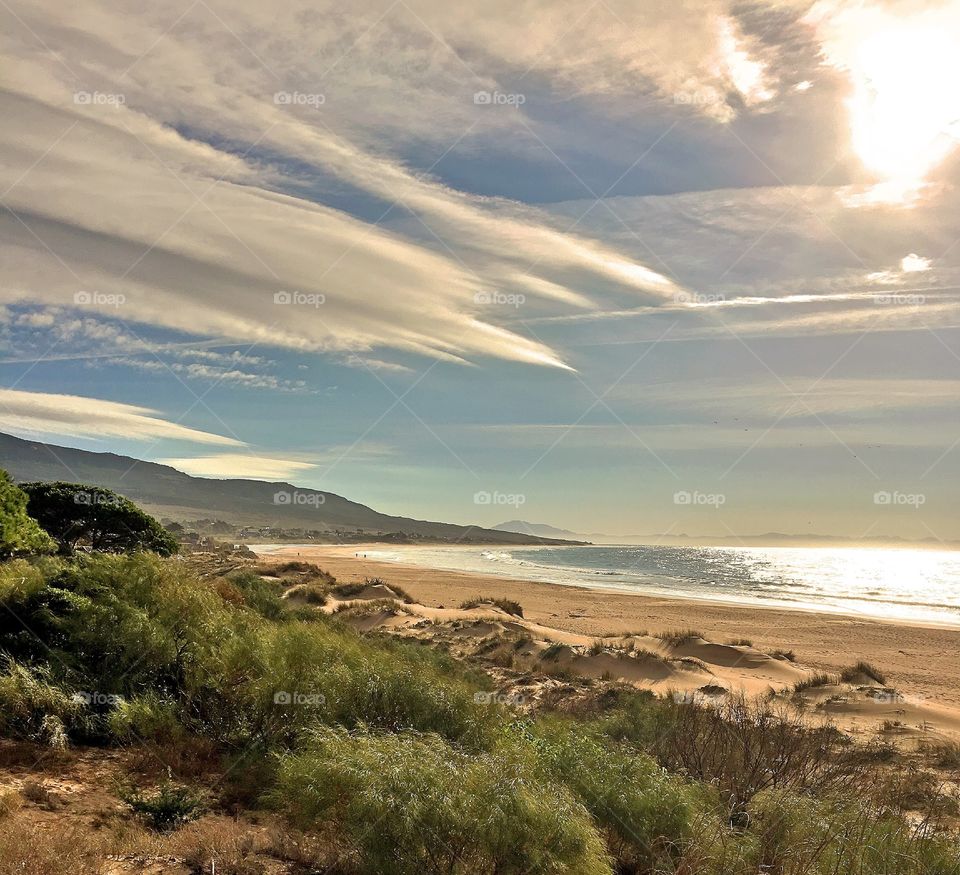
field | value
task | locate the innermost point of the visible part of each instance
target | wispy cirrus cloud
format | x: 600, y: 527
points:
x: 246, y: 465
x: 46, y: 413
x: 117, y: 187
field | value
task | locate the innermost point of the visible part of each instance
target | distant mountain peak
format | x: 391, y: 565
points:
x: 536, y: 530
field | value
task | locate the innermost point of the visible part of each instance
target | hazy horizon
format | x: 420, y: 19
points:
x: 622, y: 269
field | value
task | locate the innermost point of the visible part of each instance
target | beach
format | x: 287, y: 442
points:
x: 919, y: 659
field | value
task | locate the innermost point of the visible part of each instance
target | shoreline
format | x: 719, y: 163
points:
x: 336, y: 552
x: 920, y: 658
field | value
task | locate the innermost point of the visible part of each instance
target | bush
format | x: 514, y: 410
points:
x: 20, y: 534
x: 259, y: 595
x: 644, y: 812
x: 822, y: 837
x: 32, y: 707
x: 741, y: 748
x: 169, y: 807
x: 414, y: 804
x: 145, y: 718
x: 73, y: 512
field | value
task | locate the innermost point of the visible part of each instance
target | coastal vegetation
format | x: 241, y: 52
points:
x: 370, y: 754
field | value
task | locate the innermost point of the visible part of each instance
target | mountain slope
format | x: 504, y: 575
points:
x: 536, y: 530
x: 163, y: 490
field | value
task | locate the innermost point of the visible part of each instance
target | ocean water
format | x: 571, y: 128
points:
x: 904, y: 584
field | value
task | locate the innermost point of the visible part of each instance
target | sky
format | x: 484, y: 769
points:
x: 634, y: 268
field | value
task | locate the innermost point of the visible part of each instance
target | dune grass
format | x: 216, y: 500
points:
x: 679, y: 637
x: 382, y: 751
x: 508, y: 606
x: 811, y: 682
x: 862, y: 668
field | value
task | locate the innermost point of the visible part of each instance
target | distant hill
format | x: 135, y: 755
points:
x: 679, y: 539
x: 165, y: 491
x: 536, y: 530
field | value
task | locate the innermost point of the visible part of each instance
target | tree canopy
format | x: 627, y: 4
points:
x: 74, y: 514
x: 20, y: 534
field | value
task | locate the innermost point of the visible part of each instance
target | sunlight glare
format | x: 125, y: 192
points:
x: 905, y: 106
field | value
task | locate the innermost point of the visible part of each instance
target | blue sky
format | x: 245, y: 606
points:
x: 629, y: 268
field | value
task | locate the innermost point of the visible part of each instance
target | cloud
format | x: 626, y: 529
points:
x: 914, y: 263
x: 238, y: 465
x: 120, y: 196
x: 79, y: 416
x: 797, y: 397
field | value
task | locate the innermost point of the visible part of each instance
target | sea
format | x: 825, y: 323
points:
x: 897, y: 584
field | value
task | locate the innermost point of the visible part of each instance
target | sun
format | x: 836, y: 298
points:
x: 900, y: 113
x: 904, y: 110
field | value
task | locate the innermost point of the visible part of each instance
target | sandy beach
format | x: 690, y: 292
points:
x: 920, y: 660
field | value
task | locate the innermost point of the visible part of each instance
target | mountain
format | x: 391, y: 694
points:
x: 536, y: 530
x: 165, y: 491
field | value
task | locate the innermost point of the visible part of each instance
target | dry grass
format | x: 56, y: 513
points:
x: 368, y: 608
x: 230, y: 845
x: 29, y: 848
x: 10, y: 802
x: 854, y: 672
x: 679, y: 637
x: 506, y: 605
x: 943, y: 754
x: 820, y: 679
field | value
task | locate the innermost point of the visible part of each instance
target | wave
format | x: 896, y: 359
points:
x: 925, y: 586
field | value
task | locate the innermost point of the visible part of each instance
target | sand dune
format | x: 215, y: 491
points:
x: 572, y: 633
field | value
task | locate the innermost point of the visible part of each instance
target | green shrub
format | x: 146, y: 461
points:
x: 33, y: 707
x: 260, y: 595
x: 20, y: 533
x: 414, y: 804
x: 145, y: 718
x: 644, y: 812
x: 823, y: 837
x: 169, y: 807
